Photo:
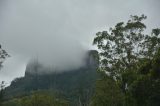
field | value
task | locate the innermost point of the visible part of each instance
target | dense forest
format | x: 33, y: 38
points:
x: 124, y: 71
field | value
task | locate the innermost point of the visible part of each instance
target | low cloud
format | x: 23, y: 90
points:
x: 59, y: 32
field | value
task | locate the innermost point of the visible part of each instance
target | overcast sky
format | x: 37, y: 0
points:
x: 59, y: 31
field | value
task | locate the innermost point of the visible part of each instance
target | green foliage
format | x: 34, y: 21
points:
x: 132, y: 59
x: 122, y: 46
x: 107, y: 93
x: 125, y: 45
x: 2, y: 85
x: 38, y: 99
x: 72, y: 84
x: 146, y: 89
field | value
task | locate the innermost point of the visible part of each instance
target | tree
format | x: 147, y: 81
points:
x: 2, y: 85
x: 123, y: 47
x: 107, y: 93
x: 42, y: 99
x: 38, y: 98
x: 3, y: 56
x: 146, y: 89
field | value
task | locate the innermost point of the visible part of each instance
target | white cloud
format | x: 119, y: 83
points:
x: 59, y: 31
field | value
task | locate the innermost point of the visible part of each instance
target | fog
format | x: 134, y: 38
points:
x: 42, y: 30
x: 59, y: 32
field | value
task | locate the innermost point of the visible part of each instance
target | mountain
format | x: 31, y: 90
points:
x: 73, y: 84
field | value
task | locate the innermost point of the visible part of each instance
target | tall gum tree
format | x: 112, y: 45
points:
x: 124, y: 46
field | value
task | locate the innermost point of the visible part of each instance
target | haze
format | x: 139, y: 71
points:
x: 59, y: 32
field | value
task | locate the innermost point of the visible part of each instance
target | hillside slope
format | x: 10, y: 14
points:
x: 72, y: 84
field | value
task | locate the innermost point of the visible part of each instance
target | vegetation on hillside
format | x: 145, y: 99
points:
x: 76, y: 85
x: 132, y: 59
x: 38, y: 98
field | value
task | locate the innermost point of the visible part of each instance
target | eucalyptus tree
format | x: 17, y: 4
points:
x: 124, y: 46
x: 3, y: 56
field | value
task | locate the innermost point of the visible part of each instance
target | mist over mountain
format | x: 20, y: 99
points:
x: 33, y: 29
x: 80, y: 53
x: 59, y: 32
x: 37, y: 67
x: 66, y: 82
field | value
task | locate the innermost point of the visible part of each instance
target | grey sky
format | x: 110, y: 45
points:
x: 59, y: 31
